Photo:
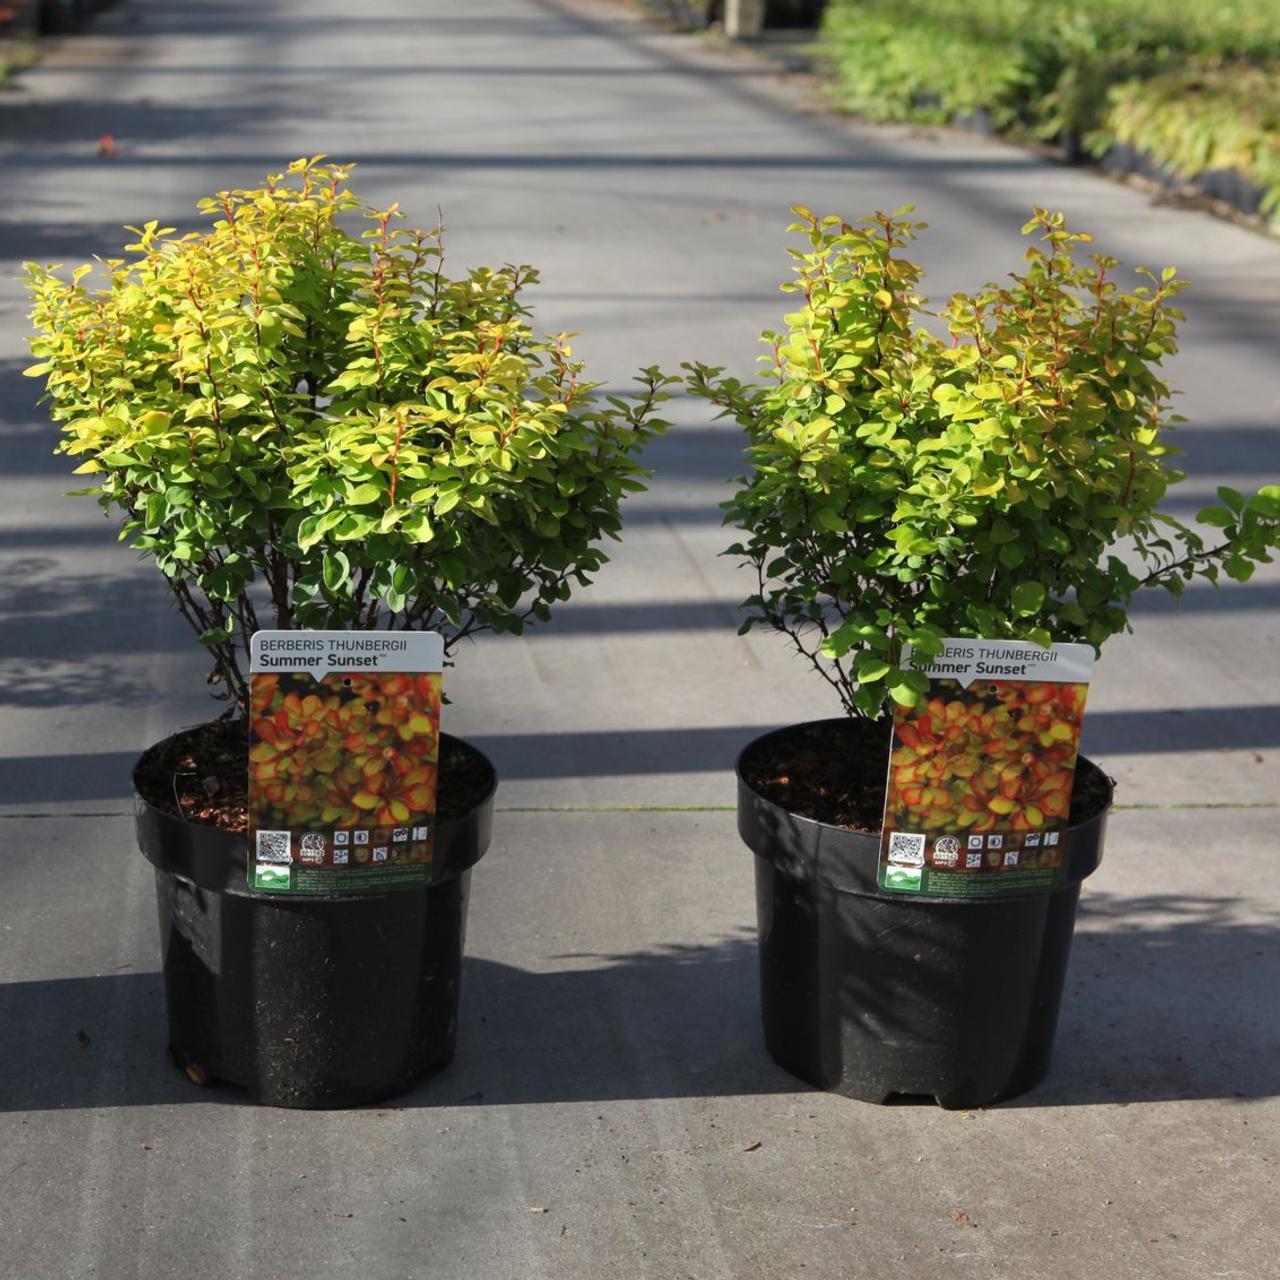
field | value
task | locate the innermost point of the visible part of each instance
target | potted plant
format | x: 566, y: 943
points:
x: 999, y: 482
x: 310, y: 428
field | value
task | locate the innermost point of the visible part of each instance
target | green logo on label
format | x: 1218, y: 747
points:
x: 903, y: 878
x: 269, y: 875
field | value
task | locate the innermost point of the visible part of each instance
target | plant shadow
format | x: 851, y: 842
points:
x: 678, y: 1021
x: 72, y: 639
x: 1168, y: 998
x: 1166, y: 1001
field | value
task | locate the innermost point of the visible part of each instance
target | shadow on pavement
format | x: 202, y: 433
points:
x: 1175, y: 1009
x: 74, y: 639
x: 1168, y: 998
x: 1180, y: 729
x: 677, y: 1022
x: 104, y: 775
x: 518, y: 161
x: 724, y: 615
x: 411, y: 70
x: 199, y: 18
x: 26, y: 434
x: 69, y: 243
x: 74, y: 682
x: 87, y: 1042
x: 73, y: 779
x: 700, y: 749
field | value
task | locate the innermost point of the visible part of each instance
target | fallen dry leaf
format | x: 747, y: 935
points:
x: 962, y: 1219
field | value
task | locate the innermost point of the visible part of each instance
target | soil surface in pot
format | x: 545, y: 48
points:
x: 835, y: 772
x: 202, y: 775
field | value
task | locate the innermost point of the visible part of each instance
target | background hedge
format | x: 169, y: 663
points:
x: 1193, y: 84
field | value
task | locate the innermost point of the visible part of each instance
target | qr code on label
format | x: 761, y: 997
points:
x: 273, y: 846
x: 907, y: 848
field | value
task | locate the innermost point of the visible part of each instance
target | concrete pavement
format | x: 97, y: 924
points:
x: 610, y: 1076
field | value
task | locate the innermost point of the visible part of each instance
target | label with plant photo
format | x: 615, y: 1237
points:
x: 981, y: 770
x: 344, y: 744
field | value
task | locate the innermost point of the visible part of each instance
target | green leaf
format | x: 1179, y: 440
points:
x: 1027, y: 598
x: 309, y: 532
x: 156, y: 510
x: 1216, y: 516
x: 870, y: 668
x: 902, y: 690
x: 1264, y: 505
x: 335, y: 570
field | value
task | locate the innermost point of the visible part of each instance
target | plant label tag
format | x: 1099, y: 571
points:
x: 981, y: 770
x: 344, y: 746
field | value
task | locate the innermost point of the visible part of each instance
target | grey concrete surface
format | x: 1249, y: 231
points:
x: 610, y: 1076
x: 602, y: 1114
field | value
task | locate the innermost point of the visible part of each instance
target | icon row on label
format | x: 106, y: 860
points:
x: 315, y: 848
x: 361, y: 835
x: 1031, y: 840
x: 948, y: 855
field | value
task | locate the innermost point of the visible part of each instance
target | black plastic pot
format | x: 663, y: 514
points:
x: 885, y: 997
x: 308, y: 1001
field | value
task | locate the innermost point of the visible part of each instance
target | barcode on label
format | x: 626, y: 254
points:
x: 273, y: 846
x: 907, y: 847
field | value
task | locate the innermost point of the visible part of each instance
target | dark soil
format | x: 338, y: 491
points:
x: 202, y: 775
x: 835, y: 771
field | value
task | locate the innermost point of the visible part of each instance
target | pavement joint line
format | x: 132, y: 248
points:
x: 664, y: 808
x: 731, y: 808
x: 1208, y: 804
x: 619, y: 808
x: 89, y: 813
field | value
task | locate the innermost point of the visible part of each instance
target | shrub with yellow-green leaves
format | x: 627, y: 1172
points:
x: 307, y: 427
x: 907, y: 487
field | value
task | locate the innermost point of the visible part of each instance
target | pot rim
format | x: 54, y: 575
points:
x: 817, y: 822
x: 805, y: 848
x: 216, y: 859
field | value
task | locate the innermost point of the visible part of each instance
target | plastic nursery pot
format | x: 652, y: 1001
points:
x: 884, y: 997
x: 315, y: 1001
